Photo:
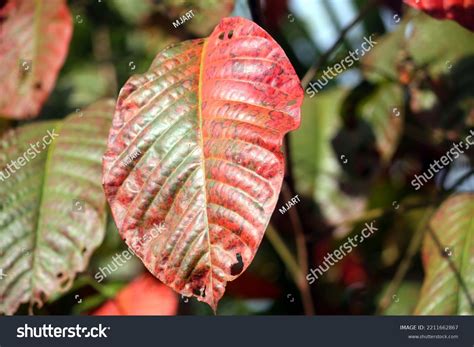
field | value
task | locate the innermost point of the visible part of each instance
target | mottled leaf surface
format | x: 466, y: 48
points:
x: 442, y: 294
x: 145, y: 296
x: 52, y: 209
x: 195, y: 145
x: 34, y: 40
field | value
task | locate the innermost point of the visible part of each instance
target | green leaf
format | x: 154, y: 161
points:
x: 133, y: 11
x: 34, y: 41
x: 317, y: 168
x: 442, y: 293
x: 312, y: 154
x: 404, y: 301
x: 415, y: 35
x: 52, y: 207
x: 383, y: 110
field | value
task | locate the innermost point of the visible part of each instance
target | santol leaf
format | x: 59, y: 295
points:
x: 52, y: 206
x: 34, y: 40
x: 195, y: 147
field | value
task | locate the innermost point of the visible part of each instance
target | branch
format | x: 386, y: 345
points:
x: 301, y: 250
x: 405, y: 264
x: 292, y: 267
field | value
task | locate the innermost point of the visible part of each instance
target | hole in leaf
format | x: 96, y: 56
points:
x: 203, y: 292
x: 37, y: 85
x: 84, y: 250
x: 237, y: 268
x: 59, y: 275
x: 230, y: 34
x: 197, y: 291
x: 221, y: 36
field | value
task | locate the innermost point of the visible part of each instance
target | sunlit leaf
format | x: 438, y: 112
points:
x: 442, y: 292
x: 52, y: 207
x: 195, y: 148
x: 34, y: 40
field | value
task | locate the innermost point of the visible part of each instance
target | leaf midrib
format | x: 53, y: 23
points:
x: 202, y: 163
x: 36, y: 231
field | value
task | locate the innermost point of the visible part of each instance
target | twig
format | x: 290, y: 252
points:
x: 292, y: 267
x: 298, y: 229
x: 322, y: 60
x: 405, y: 264
x: 301, y: 249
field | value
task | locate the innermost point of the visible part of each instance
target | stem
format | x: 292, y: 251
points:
x: 293, y: 267
x: 298, y: 229
x: 405, y: 264
x: 322, y: 60
x: 283, y: 251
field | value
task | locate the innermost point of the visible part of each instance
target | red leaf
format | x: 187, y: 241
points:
x: 195, y: 145
x: 462, y: 11
x: 145, y: 296
x: 34, y: 39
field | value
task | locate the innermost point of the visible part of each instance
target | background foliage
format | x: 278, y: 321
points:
x: 361, y: 141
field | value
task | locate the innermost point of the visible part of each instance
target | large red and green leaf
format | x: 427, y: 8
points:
x: 52, y: 206
x: 462, y: 11
x: 34, y: 40
x: 442, y: 292
x: 195, y: 147
x: 145, y: 296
